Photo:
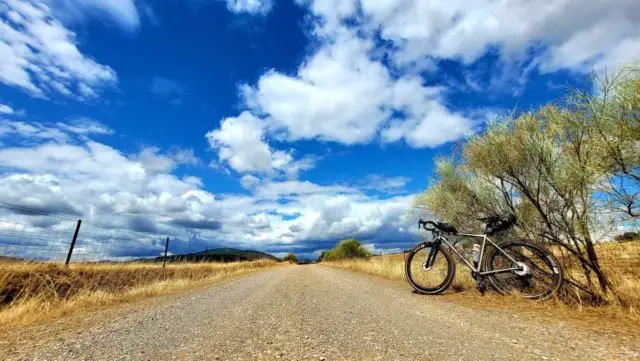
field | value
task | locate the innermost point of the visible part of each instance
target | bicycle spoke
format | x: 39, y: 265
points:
x: 432, y: 277
x: 538, y: 278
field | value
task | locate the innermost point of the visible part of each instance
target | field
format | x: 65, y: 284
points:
x: 35, y: 292
x: 621, y: 262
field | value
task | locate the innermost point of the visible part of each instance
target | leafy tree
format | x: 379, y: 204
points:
x: 614, y: 130
x: 349, y: 248
x: 290, y: 257
x: 559, y: 169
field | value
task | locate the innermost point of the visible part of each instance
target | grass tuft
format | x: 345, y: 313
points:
x: 37, y: 292
x: 621, y: 262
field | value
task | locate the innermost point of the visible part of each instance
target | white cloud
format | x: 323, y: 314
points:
x: 61, y: 132
x: 84, y: 126
x: 377, y: 182
x: 240, y: 142
x: 572, y: 34
x: 41, y: 56
x: 31, y: 131
x: 122, y: 12
x: 339, y: 94
x: 249, y: 181
x: 250, y: 6
x: 5, y: 109
x: 184, y: 156
x: 140, y: 191
x: 343, y: 93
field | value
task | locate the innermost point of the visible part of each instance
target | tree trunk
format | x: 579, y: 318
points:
x: 595, y: 266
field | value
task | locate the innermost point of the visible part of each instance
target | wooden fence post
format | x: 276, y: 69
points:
x: 166, y: 248
x: 73, y: 243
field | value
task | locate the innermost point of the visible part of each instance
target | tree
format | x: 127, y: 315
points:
x: 615, y: 131
x: 290, y: 257
x: 347, y: 249
x: 560, y: 169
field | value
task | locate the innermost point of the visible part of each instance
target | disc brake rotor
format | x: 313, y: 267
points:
x: 525, y: 269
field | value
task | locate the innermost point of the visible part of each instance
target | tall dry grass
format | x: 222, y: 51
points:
x: 36, y: 292
x: 621, y: 262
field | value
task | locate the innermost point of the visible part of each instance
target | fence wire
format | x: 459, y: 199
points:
x: 33, y: 234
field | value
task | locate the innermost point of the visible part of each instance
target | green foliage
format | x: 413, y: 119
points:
x: 349, y: 248
x: 290, y: 257
x: 560, y: 169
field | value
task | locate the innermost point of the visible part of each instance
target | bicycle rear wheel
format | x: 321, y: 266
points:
x: 540, y: 275
x: 434, y: 279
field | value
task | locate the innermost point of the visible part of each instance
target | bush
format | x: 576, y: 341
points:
x: 628, y: 237
x: 560, y: 169
x: 349, y: 248
x: 290, y: 258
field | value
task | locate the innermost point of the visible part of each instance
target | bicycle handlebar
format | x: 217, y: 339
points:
x: 424, y: 225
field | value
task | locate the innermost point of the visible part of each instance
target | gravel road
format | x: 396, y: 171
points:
x: 309, y: 312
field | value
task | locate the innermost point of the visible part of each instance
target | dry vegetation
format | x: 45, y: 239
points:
x: 621, y: 262
x: 36, y: 292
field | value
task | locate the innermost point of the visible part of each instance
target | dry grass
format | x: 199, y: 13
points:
x: 36, y: 292
x: 621, y: 262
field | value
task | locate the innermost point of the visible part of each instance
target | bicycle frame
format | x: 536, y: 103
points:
x: 477, y: 270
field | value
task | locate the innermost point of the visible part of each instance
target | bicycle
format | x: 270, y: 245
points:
x: 509, y: 266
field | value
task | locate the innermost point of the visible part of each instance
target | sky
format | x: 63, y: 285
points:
x: 277, y: 125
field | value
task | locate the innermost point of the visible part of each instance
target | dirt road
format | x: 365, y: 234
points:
x: 307, y: 313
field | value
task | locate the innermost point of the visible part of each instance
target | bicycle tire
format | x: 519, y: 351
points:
x: 551, y: 272
x: 450, y: 268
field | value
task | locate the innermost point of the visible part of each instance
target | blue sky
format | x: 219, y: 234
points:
x: 273, y: 124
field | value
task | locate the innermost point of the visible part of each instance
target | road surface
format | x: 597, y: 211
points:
x: 309, y: 312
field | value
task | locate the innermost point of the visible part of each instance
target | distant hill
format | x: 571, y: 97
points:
x: 11, y: 259
x: 219, y: 255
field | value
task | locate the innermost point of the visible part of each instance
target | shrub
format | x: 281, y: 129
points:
x: 349, y: 248
x: 290, y: 258
x: 628, y: 237
x: 560, y: 169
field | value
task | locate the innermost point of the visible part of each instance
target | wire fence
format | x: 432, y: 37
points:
x: 28, y: 233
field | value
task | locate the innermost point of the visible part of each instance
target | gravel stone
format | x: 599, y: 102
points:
x: 308, y: 312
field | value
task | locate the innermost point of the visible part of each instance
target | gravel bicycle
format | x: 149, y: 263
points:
x: 511, y: 266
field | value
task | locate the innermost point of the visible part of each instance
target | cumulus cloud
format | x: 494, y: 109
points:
x: 344, y: 92
x: 249, y: 181
x: 353, y: 89
x: 339, y: 94
x: 600, y: 32
x: 240, y: 142
x: 72, y: 174
x: 41, y: 56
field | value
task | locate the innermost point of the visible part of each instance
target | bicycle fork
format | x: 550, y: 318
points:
x: 431, y: 257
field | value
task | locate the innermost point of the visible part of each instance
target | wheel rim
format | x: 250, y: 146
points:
x: 428, y: 279
x: 536, y: 279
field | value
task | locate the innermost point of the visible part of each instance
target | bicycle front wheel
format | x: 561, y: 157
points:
x: 539, y: 275
x: 430, y: 277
